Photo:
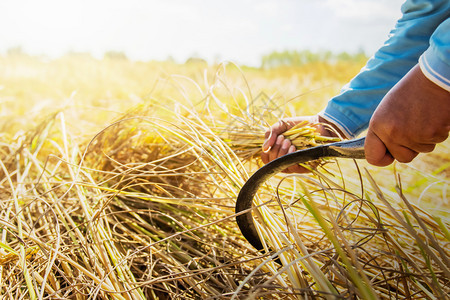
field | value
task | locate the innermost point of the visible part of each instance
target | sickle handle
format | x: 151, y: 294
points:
x: 346, y: 149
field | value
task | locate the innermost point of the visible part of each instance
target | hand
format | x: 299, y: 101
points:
x: 412, y: 118
x: 276, y: 145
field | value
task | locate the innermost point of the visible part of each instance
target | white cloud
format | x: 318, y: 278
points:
x: 363, y: 10
x: 267, y: 8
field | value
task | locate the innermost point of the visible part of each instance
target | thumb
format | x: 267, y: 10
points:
x: 376, y: 152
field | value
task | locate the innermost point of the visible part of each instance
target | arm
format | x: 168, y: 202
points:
x: 415, y: 115
x: 350, y: 112
x: 352, y: 109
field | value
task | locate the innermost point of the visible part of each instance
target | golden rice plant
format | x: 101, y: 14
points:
x: 144, y: 209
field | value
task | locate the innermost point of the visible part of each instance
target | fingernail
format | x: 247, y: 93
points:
x: 266, y: 147
x: 286, y: 145
x: 292, y: 149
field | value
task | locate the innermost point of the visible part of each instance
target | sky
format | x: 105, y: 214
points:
x: 234, y: 30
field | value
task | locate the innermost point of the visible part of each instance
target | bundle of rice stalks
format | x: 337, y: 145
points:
x: 246, y: 142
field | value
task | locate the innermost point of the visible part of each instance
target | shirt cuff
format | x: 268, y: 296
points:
x: 336, y: 121
x: 435, y: 69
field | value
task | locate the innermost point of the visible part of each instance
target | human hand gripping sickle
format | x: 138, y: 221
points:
x: 412, y: 118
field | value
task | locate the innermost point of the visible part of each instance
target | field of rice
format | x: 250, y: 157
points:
x: 119, y: 181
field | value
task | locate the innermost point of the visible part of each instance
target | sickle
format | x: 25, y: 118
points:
x: 345, y: 149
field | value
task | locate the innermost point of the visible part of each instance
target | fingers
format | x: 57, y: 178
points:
x: 382, y: 151
x: 272, y: 151
x: 274, y: 140
x: 379, y: 155
x: 284, y: 147
x: 376, y: 152
x: 281, y: 147
x: 423, y: 148
x: 273, y: 132
x: 276, y: 145
x: 294, y: 168
x: 402, y: 154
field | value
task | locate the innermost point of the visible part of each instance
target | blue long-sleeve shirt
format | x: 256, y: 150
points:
x: 421, y: 35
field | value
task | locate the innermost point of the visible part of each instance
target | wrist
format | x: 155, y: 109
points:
x: 328, y: 128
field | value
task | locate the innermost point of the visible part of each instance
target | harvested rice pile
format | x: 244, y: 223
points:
x: 145, y: 210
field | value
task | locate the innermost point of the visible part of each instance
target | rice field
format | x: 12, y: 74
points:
x: 119, y: 181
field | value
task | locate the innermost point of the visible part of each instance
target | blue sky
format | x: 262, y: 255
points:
x: 237, y: 30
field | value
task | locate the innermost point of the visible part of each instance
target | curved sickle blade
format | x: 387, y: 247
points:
x: 346, y: 149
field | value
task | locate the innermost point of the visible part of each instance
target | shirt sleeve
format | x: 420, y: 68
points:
x: 435, y: 61
x: 352, y: 109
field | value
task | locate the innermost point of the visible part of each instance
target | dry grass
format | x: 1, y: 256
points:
x: 144, y: 208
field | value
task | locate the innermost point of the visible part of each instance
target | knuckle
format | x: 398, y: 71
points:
x: 279, y: 141
x: 264, y: 158
x: 428, y: 148
x: 286, y: 144
x: 406, y: 157
x: 427, y: 134
x: 403, y: 159
x: 393, y: 132
x: 431, y: 134
x: 283, y: 125
x: 442, y: 137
